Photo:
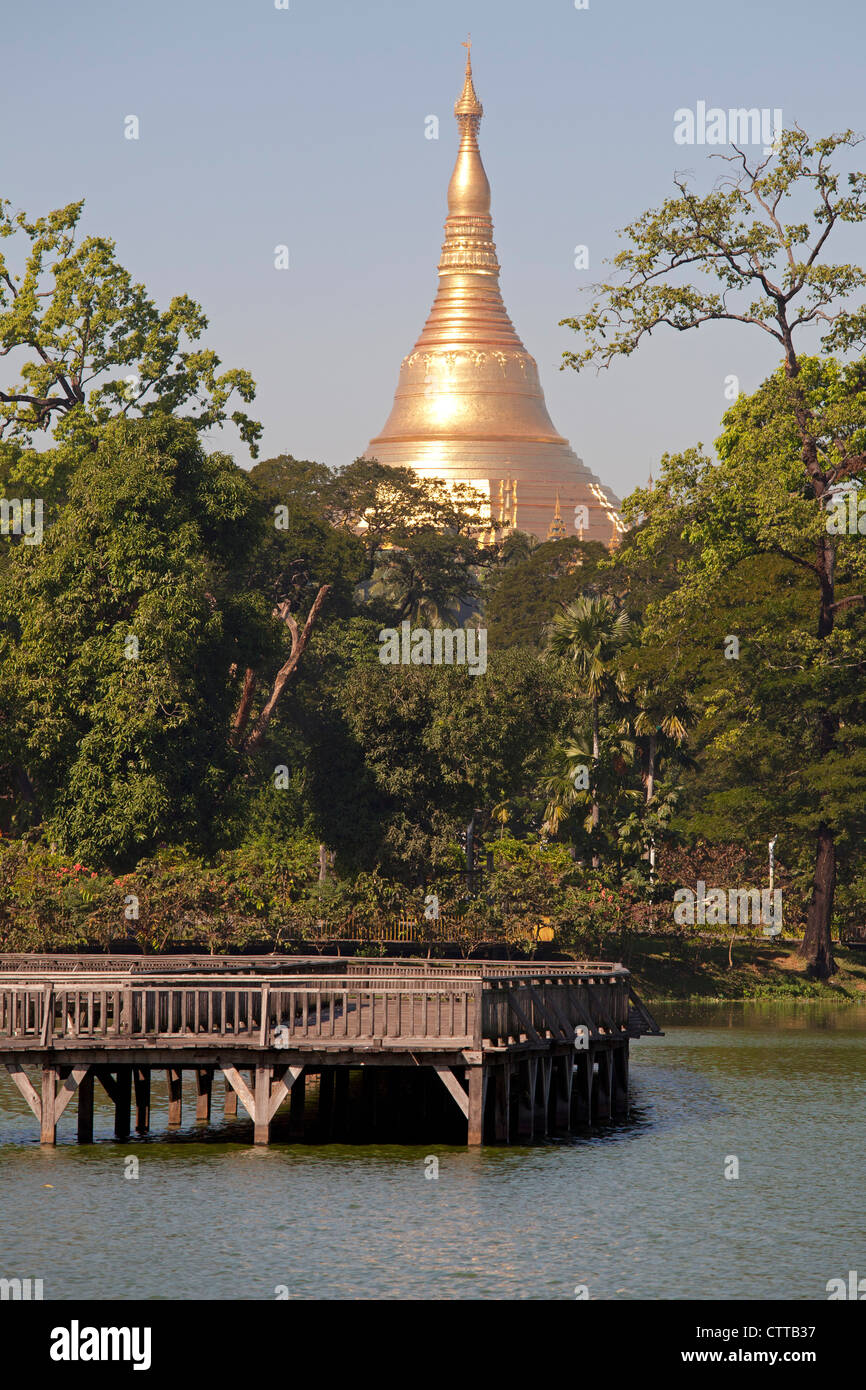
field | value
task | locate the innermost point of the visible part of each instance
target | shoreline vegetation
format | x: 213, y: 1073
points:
x: 244, y: 904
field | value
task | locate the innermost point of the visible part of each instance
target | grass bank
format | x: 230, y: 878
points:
x: 670, y: 968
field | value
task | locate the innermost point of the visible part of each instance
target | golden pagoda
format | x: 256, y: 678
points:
x: 469, y: 407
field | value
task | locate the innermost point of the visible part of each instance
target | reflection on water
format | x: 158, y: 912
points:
x: 636, y: 1209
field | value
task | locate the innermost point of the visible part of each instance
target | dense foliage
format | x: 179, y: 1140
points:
x: 201, y: 745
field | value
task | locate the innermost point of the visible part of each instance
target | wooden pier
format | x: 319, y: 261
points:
x: 502, y: 1051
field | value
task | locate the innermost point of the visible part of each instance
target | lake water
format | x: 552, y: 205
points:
x: 639, y: 1209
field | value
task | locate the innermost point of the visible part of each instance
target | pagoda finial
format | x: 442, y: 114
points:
x: 467, y: 103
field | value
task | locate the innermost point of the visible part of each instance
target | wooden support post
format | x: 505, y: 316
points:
x: 526, y: 1098
x: 581, y: 1091
x: 502, y: 1102
x: 123, y: 1102
x: 174, y: 1077
x: 543, y: 1097
x: 85, y: 1109
x: 326, y: 1102
x: 607, y: 1073
x: 230, y: 1104
x: 369, y: 1100
x: 620, y: 1080
x: 297, y: 1102
x: 393, y: 1112
x: 383, y: 1101
x: 141, y: 1081
x: 422, y: 1081
x: 602, y: 1083
x: 262, y: 1123
x: 563, y: 1072
x: 203, y: 1088
x: 48, y: 1127
x: 341, y: 1102
x: 476, y: 1105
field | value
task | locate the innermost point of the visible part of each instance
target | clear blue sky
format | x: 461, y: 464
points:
x: 306, y: 127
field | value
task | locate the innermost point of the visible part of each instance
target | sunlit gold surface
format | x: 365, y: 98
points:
x: 469, y: 405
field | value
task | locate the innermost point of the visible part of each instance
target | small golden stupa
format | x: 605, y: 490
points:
x: 469, y: 407
x: 556, y: 530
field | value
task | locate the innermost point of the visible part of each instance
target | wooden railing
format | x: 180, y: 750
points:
x: 351, y: 1002
x: 34, y: 964
x: 258, y: 1013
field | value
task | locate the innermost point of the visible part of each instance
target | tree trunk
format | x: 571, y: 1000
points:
x: 244, y: 709
x: 299, y: 642
x: 326, y: 863
x: 651, y: 769
x: 816, y: 948
x: 650, y: 792
x: 595, y: 756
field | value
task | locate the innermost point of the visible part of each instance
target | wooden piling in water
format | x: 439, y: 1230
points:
x: 261, y: 1121
x: 502, y: 1105
x: 203, y: 1087
x: 48, y: 1128
x: 141, y: 1084
x: 341, y: 1103
x: 326, y: 1103
x: 174, y: 1079
x: 297, y: 1105
x: 230, y: 1102
x: 369, y: 1097
x: 85, y: 1108
x: 602, y: 1086
x: 581, y: 1091
x: 620, y: 1081
x: 123, y: 1102
x: 475, y: 1118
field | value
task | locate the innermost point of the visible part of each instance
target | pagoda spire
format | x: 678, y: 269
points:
x: 469, y: 408
x: 469, y: 191
x: 469, y: 307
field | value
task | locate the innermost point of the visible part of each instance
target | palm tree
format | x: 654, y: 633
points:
x: 591, y: 632
x: 566, y: 790
x: 657, y: 717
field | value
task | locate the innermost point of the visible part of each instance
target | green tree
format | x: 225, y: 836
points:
x: 439, y: 742
x: 391, y: 505
x: 431, y: 578
x: 119, y: 636
x: 574, y: 802
x: 658, y: 718
x: 590, y: 634
x: 90, y: 345
x: 732, y: 256
x: 142, y: 654
x: 527, y: 584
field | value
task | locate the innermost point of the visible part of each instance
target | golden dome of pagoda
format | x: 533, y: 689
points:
x: 469, y: 407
